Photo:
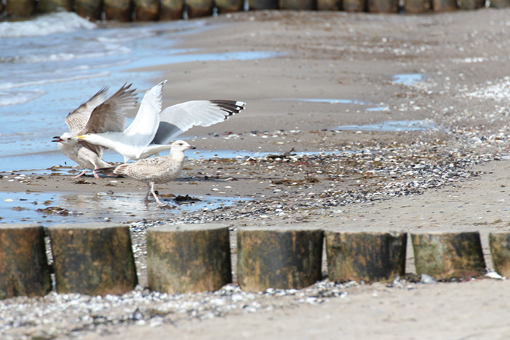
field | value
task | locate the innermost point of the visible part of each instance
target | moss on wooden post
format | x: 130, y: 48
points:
x: 172, y: 9
x: 24, y: 269
x: 471, y: 4
x: 382, y: 6
x: 146, y: 10
x: 303, y: 5
x: 199, y: 8
x: 19, y: 8
x: 499, y: 244
x: 367, y: 256
x: 118, y: 10
x: 188, y: 258
x: 91, y: 9
x: 444, y: 5
x: 227, y: 6
x: 278, y: 257
x: 417, y: 6
x: 49, y: 6
x: 93, y: 259
x: 446, y: 255
x: 262, y: 4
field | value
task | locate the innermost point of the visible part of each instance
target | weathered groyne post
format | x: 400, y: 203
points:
x: 49, y: 6
x: 188, y: 258
x: 447, y: 255
x: 417, y: 6
x: 93, y: 259
x: 172, y: 9
x: 305, y: 5
x: 499, y: 244
x: 199, y: 8
x: 500, y: 3
x: 146, y: 10
x: 19, y: 8
x: 278, y: 257
x: 24, y: 269
x: 262, y: 4
x: 329, y: 5
x: 354, y: 5
x: 227, y: 6
x: 367, y: 256
x: 382, y: 6
x: 91, y: 9
x: 444, y: 5
x: 118, y: 10
x: 471, y: 4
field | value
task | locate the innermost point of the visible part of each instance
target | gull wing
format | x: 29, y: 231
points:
x: 181, y: 117
x: 110, y: 115
x: 143, y: 128
x: 77, y: 119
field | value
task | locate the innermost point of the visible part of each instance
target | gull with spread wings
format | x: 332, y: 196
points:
x: 97, y: 115
x: 151, y: 130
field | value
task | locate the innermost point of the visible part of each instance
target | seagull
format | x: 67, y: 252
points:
x: 158, y: 169
x: 152, y: 130
x: 96, y: 115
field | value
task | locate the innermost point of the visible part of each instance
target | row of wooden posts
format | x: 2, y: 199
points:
x: 147, y: 10
x: 97, y: 259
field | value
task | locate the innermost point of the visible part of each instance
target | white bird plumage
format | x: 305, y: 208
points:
x: 158, y: 169
x: 152, y: 130
x: 96, y: 115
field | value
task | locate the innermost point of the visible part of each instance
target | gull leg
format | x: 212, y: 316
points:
x: 96, y: 176
x: 148, y: 192
x: 154, y: 194
x: 82, y: 173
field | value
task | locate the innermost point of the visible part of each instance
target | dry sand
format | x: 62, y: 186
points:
x: 326, y: 55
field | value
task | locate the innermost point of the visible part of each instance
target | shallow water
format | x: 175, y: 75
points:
x: 21, y: 207
x: 392, y: 126
x: 52, y: 64
x: 408, y: 79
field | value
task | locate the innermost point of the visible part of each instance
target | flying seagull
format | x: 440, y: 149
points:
x: 157, y: 169
x: 152, y: 130
x: 96, y: 115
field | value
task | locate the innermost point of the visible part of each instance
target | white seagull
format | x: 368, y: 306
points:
x: 158, y: 169
x: 151, y: 130
x: 96, y: 115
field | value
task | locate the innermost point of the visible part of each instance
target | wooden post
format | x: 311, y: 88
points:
x: 500, y: 251
x: 19, y: 8
x: 188, y: 258
x: 367, y: 256
x: 119, y: 10
x: 500, y: 3
x: 278, y: 257
x: 383, y: 6
x: 24, y: 269
x: 417, y: 6
x: 199, y: 8
x: 93, y: 259
x: 227, y: 6
x: 329, y: 5
x: 444, y: 255
x: 49, y: 6
x: 90, y: 9
x: 146, y: 10
x: 471, y: 4
x: 444, y: 5
x: 303, y: 5
x: 262, y: 4
x: 354, y: 5
x: 172, y: 9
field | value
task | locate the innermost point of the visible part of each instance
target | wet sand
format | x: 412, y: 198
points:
x: 459, y: 167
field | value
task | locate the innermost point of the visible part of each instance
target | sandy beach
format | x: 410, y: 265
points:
x: 371, y: 122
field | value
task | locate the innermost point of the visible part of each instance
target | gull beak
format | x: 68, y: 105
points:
x: 193, y: 147
x: 56, y: 139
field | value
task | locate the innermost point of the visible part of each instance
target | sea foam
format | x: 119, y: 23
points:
x: 45, y: 25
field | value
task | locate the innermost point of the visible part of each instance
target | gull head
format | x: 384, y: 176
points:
x: 66, y: 138
x: 180, y: 145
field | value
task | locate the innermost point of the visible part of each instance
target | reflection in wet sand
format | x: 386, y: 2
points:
x: 50, y: 208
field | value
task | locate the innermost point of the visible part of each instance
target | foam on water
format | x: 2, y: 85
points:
x: 392, y: 126
x: 45, y: 25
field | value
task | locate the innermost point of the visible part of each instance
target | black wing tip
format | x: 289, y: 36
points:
x: 231, y: 107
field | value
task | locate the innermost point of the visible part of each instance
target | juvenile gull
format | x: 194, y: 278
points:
x: 96, y: 115
x: 151, y: 130
x: 158, y: 169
